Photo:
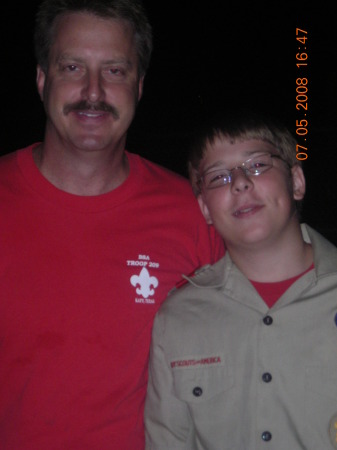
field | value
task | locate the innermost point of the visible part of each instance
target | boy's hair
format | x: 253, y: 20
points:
x: 129, y: 10
x: 239, y: 126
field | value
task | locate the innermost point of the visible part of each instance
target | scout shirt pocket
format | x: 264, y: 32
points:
x: 205, y: 384
x: 321, y: 406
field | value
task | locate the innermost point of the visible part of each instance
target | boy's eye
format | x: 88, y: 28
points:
x: 258, y: 164
x: 217, y: 178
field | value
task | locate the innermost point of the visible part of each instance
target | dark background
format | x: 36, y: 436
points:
x: 208, y: 56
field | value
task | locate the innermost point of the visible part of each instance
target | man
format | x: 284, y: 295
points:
x: 92, y: 239
x: 244, y: 357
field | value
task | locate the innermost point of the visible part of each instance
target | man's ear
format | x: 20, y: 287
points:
x: 140, y: 87
x: 298, y: 181
x: 40, y: 81
x: 204, y: 209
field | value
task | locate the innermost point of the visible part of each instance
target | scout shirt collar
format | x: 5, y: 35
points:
x: 226, y: 277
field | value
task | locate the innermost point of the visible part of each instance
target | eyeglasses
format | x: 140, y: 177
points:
x: 252, y: 167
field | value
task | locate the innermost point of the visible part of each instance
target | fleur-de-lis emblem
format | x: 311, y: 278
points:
x: 145, y: 283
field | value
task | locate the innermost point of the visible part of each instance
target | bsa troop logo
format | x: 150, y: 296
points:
x: 143, y: 281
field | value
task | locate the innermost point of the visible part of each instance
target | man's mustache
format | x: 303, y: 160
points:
x: 85, y: 106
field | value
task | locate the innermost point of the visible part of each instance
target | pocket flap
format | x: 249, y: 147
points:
x: 202, y: 383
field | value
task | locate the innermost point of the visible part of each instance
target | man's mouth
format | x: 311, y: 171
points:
x: 91, y: 114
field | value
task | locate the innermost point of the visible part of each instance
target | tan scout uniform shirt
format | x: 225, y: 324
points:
x: 226, y: 372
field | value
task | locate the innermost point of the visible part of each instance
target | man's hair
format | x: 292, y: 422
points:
x: 130, y: 11
x: 239, y: 126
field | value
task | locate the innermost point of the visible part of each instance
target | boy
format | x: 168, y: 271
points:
x: 244, y: 356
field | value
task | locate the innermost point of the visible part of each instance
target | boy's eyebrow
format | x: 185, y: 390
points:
x: 222, y: 164
x: 214, y: 166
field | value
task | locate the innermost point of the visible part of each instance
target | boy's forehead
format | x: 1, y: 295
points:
x: 225, y: 149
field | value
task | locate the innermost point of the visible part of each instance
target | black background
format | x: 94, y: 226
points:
x: 208, y: 56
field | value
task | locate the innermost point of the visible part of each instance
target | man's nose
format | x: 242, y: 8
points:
x: 93, y: 90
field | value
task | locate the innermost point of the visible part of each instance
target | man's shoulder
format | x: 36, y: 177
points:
x: 12, y: 166
x: 11, y: 157
x: 159, y: 174
x: 7, y: 159
x: 8, y: 167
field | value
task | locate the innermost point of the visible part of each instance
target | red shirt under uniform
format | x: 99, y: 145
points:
x: 81, y: 279
x: 271, y: 292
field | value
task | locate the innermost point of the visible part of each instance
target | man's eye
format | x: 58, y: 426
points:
x: 116, y: 71
x: 70, y: 68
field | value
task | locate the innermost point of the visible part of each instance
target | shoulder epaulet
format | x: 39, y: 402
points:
x: 186, y: 278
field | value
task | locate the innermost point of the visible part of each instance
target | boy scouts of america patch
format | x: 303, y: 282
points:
x: 333, y: 431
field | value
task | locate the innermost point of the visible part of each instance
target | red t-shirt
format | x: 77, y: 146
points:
x: 81, y: 279
x: 271, y: 292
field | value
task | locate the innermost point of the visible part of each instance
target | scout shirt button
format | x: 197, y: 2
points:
x: 197, y: 391
x: 266, y: 436
x: 266, y: 377
x: 267, y: 320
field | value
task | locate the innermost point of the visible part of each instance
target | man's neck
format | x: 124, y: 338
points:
x: 276, y: 261
x: 82, y: 173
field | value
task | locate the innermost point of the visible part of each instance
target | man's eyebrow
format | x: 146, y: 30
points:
x: 78, y: 59
x: 125, y: 62
x: 66, y: 56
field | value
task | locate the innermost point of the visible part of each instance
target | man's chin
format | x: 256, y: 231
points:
x: 92, y: 144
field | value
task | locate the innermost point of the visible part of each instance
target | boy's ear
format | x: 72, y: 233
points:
x: 204, y: 210
x: 298, y: 181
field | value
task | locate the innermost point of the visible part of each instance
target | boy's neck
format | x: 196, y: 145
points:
x: 274, y: 261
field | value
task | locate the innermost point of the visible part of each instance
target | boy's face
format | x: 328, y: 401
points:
x: 250, y: 210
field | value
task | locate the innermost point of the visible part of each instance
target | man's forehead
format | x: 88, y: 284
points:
x: 89, y: 23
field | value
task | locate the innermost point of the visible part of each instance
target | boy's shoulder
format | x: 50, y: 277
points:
x: 325, y: 252
x: 192, y: 291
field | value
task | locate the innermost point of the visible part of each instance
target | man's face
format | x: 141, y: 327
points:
x: 251, y: 210
x: 91, y: 88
